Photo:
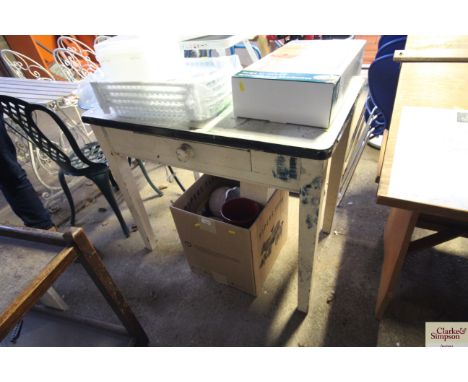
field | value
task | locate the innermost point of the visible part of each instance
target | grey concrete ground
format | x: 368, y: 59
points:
x: 180, y: 308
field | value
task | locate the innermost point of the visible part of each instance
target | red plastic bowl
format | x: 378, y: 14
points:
x: 240, y: 211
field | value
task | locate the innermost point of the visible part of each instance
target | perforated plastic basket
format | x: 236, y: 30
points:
x: 202, y: 94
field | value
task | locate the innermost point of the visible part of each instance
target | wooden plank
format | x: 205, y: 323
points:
x: 435, y: 239
x: 34, y: 235
x: 397, y: 236
x: 431, y: 55
x: 36, y: 288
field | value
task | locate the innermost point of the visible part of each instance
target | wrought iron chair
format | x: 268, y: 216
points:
x: 75, y: 45
x: 78, y: 61
x: 101, y: 38
x: 75, y: 65
x: 21, y: 66
x: 88, y: 161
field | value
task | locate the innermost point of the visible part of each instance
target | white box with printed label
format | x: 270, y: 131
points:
x: 302, y: 82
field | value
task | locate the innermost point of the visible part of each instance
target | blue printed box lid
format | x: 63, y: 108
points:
x: 283, y: 76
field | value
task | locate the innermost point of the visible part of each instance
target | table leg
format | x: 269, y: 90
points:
x: 337, y: 162
x: 310, y: 203
x: 398, y: 230
x: 127, y: 184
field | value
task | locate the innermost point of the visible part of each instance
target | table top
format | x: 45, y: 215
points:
x: 227, y: 130
x: 21, y: 262
x: 36, y: 91
x: 426, y: 155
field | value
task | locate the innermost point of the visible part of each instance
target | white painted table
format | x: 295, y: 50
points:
x: 259, y: 153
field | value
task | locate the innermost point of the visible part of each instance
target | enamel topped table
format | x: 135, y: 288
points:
x: 258, y: 153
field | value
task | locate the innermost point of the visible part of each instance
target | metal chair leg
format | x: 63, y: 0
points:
x: 68, y: 195
x: 148, y: 179
x: 176, y: 178
x: 103, y: 182
x: 113, y: 182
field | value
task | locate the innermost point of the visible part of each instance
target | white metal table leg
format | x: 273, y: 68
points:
x: 311, y: 200
x: 127, y: 184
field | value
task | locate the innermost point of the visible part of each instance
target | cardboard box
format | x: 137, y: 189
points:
x: 232, y: 255
x: 302, y: 82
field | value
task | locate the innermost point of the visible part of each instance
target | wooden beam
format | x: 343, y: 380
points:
x: 34, y: 234
x: 435, y: 239
x: 397, y: 236
x: 431, y: 55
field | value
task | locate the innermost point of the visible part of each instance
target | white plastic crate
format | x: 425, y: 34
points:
x: 202, y: 91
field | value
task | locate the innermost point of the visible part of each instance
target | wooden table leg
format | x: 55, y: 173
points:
x: 310, y: 203
x: 98, y: 273
x: 127, y: 184
x: 334, y: 178
x: 398, y: 231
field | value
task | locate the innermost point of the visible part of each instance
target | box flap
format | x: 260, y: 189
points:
x: 269, y: 235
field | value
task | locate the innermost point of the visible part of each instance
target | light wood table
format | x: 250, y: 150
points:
x: 422, y: 174
x: 259, y: 154
x: 31, y: 260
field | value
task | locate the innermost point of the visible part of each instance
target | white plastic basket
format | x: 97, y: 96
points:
x: 202, y: 91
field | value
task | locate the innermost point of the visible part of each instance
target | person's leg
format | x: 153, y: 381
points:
x: 17, y: 188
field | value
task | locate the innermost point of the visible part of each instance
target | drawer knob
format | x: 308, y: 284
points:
x: 185, y: 152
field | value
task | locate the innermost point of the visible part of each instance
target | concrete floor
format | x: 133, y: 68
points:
x: 180, y: 308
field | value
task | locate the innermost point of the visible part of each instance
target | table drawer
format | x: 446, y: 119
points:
x: 183, y: 154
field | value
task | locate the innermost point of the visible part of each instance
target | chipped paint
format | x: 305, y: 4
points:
x: 312, y: 220
x: 309, y: 222
x: 284, y: 169
x: 307, y: 190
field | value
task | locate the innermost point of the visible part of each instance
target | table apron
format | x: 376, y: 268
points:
x: 258, y: 167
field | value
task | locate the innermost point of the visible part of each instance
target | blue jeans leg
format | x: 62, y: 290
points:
x: 17, y: 188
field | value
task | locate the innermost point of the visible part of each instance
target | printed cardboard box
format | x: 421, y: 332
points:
x: 302, y: 82
x: 232, y: 255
